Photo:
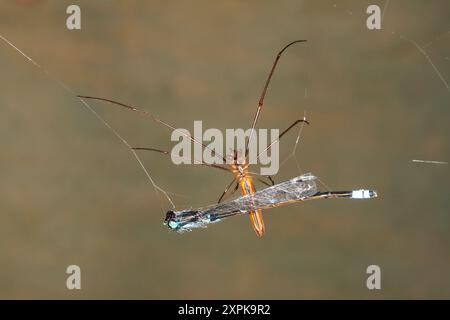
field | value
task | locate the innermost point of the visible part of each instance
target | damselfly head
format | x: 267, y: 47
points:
x: 169, y: 216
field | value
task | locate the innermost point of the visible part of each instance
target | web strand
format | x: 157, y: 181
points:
x: 157, y: 188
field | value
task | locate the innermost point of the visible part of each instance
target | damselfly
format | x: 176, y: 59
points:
x: 298, y: 189
x: 243, y: 178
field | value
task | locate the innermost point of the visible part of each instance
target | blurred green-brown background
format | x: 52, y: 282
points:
x: 71, y: 192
